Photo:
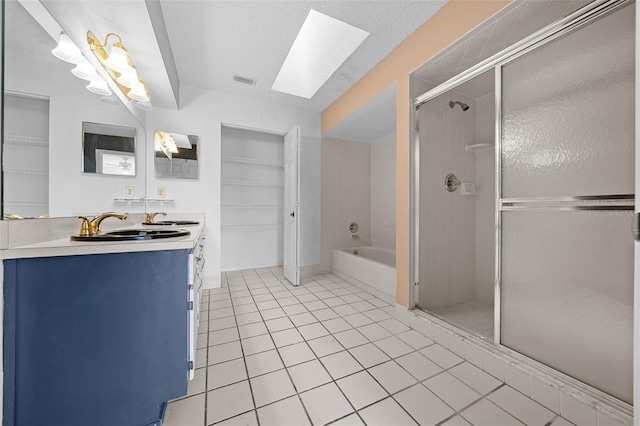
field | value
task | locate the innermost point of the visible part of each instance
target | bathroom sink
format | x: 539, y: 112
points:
x: 133, y: 235
x: 173, y: 222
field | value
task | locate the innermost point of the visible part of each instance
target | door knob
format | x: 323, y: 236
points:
x: 293, y: 214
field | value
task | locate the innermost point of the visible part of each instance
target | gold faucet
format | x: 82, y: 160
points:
x: 92, y: 227
x: 151, y: 216
x: 12, y: 216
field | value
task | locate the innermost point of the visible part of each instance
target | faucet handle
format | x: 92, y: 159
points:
x: 85, y: 228
x: 151, y: 216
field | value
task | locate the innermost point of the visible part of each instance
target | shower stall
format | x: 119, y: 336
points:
x: 523, y: 199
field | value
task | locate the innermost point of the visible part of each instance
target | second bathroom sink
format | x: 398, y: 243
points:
x: 172, y: 222
x: 133, y: 235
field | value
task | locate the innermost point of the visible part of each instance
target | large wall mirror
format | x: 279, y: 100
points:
x: 176, y: 155
x: 46, y: 171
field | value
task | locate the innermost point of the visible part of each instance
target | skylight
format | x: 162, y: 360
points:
x: 322, y: 45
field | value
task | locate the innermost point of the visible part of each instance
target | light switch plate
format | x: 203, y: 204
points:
x: 128, y: 191
x: 160, y: 192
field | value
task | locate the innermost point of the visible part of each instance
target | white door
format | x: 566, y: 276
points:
x: 291, y: 256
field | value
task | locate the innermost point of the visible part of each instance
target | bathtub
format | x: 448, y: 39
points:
x: 372, y: 269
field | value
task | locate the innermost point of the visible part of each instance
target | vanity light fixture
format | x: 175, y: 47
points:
x: 165, y: 142
x: 67, y: 51
x: 85, y: 71
x: 120, y: 67
x: 99, y: 87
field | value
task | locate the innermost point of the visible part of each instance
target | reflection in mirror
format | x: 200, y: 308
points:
x: 108, y: 150
x: 45, y: 106
x: 176, y: 155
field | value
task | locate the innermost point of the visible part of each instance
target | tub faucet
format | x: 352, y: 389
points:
x: 151, y: 216
x: 92, y: 226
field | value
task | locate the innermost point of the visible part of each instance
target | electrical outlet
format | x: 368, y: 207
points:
x: 128, y: 191
x: 160, y: 192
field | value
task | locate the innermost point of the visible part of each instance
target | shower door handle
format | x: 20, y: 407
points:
x: 636, y: 227
x: 293, y: 214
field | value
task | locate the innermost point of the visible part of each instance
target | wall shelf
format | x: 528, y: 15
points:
x: 251, y: 183
x: 128, y: 200
x: 26, y: 203
x: 477, y: 147
x: 24, y: 171
x: 26, y: 140
x: 161, y: 200
x: 252, y: 162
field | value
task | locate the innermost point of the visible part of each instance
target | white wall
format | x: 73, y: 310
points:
x: 447, y: 219
x: 203, y: 114
x: 383, y: 192
x: 485, y: 199
x: 346, y: 194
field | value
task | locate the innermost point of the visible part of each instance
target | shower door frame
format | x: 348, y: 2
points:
x: 553, y: 31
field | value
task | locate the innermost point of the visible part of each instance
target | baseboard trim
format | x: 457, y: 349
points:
x: 364, y: 286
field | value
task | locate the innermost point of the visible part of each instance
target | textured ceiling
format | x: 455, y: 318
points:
x: 213, y: 40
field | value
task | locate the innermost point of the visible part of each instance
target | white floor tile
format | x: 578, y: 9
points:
x: 226, y: 373
x: 246, y: 419
x: 252, y: 330
x: 271, y: 387
x: 519, y: 406
x: 266, y: 305
x: 577, y: 412
x: 303, y: 319
x: 185, y: 412
x: 560, y: 421
x: 541, y: 392
x: 350, y: 420
x: 287, y: 301
x: 224, y: 352
x: 357, y: 320
x: 286, y: 337
x: 336, y: 325
x: 313, y: 331
x: 418, y: 365
x: 361, y: 389
x: 325, y: 314
x: 228, y: 401
x: 295, y: 309
x: 340, y: 364
x: 385, y: 413
x: 223, y: 336
x: 394, y: 326
x: 451, y: 390
x: 392, y: 376
x: 198, y: 384
x: 351, y: 298
x: 220, y: 313
x: 221, y: 323
x: 334, y: 301
x: 456, y: 421
x: 350, y: 338
x: 325, y: 404
x: 486, y: 413
x: 315, y: 305
x: 471, y: 375
x: 441, y: 356
x: 257, y: 344
x: 288, y: 412
x: 325, y: 346
x: 374, y: 332
x: 296, y: 354
x: 245, y: 309
x: 393, y: 346
x: 273, y: 313
x: 344, y: 310
x: 309, y: 375
x: 377, y: 315
x: 369, y: 355
x: 415, y: 339
x: 279, y: 324
x: 248, y: 318
x: 263, y: 362
x: 201, y: 358
x: 363, y: 306
x: 426, y: 408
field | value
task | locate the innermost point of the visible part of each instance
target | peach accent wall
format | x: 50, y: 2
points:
x: 451, y: 22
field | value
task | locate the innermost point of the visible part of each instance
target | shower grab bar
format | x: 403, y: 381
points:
x: 565, y: 208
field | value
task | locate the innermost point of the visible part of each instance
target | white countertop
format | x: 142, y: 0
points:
x: 57, y: 246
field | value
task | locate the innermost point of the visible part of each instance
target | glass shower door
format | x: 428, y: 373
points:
x: 567, y: 197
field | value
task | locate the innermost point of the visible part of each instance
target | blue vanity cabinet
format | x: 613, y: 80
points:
x: 95, y: 339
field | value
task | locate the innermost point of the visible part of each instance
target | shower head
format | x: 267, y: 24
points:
x: 462, y: 105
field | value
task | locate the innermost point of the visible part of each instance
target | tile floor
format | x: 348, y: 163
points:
x: 472, y: 315
x: 327, y: 352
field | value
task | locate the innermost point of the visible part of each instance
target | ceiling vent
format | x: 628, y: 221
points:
x: 244, y: 80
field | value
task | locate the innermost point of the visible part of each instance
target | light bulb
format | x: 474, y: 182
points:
x: 118, y: 60
x: 139, y: 93
x: 85, y: 71
x: 129, y: 77
x: 67, y: 51
x: 99, y: 87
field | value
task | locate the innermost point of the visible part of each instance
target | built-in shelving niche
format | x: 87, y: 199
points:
x: 252, y: 195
